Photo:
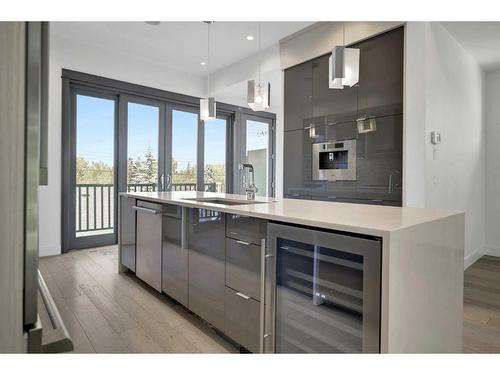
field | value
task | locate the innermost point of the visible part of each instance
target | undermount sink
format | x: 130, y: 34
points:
x: 225, y: 201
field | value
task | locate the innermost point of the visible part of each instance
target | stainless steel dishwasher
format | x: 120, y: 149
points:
x: 149, y: 243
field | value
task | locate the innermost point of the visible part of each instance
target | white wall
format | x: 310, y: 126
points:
x: 492, y: 116
x: 444, y: 92
x: 229, y: 85
x: 84, y: 55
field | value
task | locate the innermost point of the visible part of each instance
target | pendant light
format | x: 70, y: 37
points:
x: 343, y: 66
x: 208, y: 110
x: 258, y: 94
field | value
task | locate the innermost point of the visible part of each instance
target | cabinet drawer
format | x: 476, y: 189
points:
x: 246, y: 228
x: 242, y: 319
x: 243, y: 267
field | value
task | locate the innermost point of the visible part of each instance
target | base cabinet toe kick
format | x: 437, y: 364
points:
x: 276, y: 287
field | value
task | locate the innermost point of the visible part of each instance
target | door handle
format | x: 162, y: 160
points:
x: 146, y: 210
x: 162, y: 182
x: 242, y: 295
x: 243, y: 243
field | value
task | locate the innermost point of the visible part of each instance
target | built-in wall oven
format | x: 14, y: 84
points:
x: 334, y: 160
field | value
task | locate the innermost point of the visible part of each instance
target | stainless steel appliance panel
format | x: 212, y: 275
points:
x: 127, y: 232
x: 175, y: 256
x: 245, y: 228
x: 149, y: 243
x: 206, y: 242
x: 242, y: 319
x: 243, y: 267
x: 323, y: 294
x: 334, y: 160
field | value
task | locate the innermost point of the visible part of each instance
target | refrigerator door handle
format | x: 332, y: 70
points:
x: 59, y: 338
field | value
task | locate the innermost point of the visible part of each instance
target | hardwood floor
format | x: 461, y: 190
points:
x: 107, y: 312
x: 482, y: 306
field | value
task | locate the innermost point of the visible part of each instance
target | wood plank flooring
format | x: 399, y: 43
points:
x: 107, y: 312
x: 482, y: 306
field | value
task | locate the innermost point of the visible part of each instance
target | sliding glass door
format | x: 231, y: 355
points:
x: 114, y: 141
x: 255, y: 145
x: 215, y: 155
x: 145, y: 143
x: 93, y: 170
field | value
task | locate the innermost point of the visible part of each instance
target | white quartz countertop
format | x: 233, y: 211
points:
x: 356, y: 218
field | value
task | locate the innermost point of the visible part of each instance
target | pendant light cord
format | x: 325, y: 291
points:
x: 260, y: 58
x: 343, y: 34
x: 208, y: 57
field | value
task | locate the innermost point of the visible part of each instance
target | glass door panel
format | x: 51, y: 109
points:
x: 94, y: 167
x: 184, y: 147
x: 325, y: 291
x: 142, y: 147
x: 319, y: 305
x: 257, y: 153
x: 214, y: 173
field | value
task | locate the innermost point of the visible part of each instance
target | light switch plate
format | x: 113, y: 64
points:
x: 435, y: 138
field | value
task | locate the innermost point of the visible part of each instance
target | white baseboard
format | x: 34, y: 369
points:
x: 47, y: 251
x: 470, y: 259
x: 492, y: 250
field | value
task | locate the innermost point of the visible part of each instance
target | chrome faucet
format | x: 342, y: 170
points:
x: 250, y: 187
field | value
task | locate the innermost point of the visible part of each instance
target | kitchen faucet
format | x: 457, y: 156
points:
x: 250, y: 188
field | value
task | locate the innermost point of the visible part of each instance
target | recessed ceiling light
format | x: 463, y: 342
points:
x: 203, y: 63
x: 153, y: 23
x: 250, y: 37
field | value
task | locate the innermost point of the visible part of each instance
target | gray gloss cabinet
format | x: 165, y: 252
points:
x: 333, y: 105
x: 243, y: 267
x: 380, y: 88
x: 175, y: 257
x: 298, y: 87
x: 245, y: 228
x: 206, y: 242
x: 127, y: 232
x: 149, y: 243
x: 242, y: 319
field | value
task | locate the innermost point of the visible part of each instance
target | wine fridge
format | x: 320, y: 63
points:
x: 322, y: 291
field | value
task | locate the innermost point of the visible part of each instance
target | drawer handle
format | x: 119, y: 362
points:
x: 242, y: 295
x: 146, y: 210
x: 243, y: 243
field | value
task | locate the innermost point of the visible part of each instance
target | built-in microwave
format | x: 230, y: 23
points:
x: 334, y: 160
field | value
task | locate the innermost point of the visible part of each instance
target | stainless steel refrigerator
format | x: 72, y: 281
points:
x: 30, y: 319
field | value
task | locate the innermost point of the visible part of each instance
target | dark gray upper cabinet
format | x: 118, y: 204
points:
x: 380, y: 88
x: 333, y: 105
x: 294, y: 176
x: 206, y: 239
x: 298, y: 99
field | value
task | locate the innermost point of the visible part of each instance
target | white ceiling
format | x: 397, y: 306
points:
x: 179, y: 45
x: 480, y: 39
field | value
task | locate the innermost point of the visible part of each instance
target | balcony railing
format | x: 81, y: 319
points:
x: 95, y: 204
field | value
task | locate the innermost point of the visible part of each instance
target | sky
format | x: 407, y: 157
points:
x: 95, y: 133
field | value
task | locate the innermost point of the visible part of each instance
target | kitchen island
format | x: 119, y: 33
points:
x: 304, y: 276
